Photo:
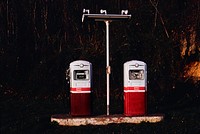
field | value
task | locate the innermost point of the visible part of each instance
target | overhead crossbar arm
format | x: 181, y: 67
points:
x: 104, y: 17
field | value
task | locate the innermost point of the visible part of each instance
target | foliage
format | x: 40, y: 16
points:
x: 40, y: 38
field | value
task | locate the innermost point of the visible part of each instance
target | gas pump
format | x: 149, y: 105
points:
x: 135, y: 88
x: 80, y: 75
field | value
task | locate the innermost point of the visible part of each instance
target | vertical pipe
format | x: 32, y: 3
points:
x: 107, y: 63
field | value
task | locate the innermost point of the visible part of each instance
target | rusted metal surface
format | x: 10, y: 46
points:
x: 67, y: 120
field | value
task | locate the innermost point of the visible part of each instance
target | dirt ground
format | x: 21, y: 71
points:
x: 23, y: 113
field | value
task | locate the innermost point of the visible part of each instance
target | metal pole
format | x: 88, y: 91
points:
x: 107, y: 64
x: 107, y: 18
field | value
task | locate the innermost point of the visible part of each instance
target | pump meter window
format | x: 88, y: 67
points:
x: 81, y: 74
x: 136, y: 74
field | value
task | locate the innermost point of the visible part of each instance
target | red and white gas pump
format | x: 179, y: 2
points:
x: 80, y: 87
x: 135, y: 88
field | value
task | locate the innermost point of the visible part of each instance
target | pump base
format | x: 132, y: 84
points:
x: 68, y: 120
x: 80, y: 104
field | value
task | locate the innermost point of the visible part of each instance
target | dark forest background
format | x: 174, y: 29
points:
x: 39, y: 39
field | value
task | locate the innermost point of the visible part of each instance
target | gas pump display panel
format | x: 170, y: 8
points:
x: 81, y: 74
x: 136, y: 74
